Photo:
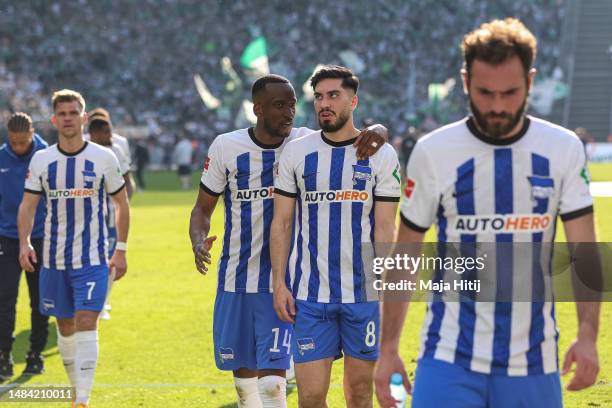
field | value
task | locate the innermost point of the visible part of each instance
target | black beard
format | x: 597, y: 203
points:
x: 497, y: 131
x: 274, y: 132
x: 334, y: 127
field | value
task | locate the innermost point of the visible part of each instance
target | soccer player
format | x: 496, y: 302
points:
x: 15, y: 158
x: 249, y: 339
x: 498, y: 161
x: 116, y: 138
x: 182, y: 157
x: 342, y: 201
x: 101, y: 132
x: 75, y: 177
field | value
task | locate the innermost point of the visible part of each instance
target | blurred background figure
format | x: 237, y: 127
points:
x: 141, y: 155
x: 182, y: 158
x: 15, y: 158
x: 101, y: 132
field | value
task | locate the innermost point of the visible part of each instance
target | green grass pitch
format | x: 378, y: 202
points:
x: 156, y: 351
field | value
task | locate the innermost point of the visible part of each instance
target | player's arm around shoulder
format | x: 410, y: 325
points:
x: 370, y: 140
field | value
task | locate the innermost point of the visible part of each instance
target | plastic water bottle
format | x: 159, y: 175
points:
x: 397, y: 390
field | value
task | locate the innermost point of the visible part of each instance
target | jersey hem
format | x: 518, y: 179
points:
x: 412, y: 225
x: 389, y: 199
x: 284, y: 193
x: 577, y: 213
x: 468, y: 367
x: 89, y: 265
x: 204, y: 188
x: 221, y: 288
x: 27, y: 190
x: 335, y: 301
x: 118, y: 190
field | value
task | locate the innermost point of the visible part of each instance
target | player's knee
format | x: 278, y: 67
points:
x: 311, y: 398
x: 246, y: 390
x: 65, y: 327
x: 359, y: 391
x: 272, y: 387
x: 86, y: 322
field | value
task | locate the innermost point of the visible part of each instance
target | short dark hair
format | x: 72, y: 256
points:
x: 497, y: 41
x: 19, y: 122
x: 97, y: 124
x: 260, y: 84
x: 349, y: 79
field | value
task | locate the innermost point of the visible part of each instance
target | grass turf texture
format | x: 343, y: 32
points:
x: 156, y: 351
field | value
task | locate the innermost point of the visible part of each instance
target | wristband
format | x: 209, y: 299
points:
x: 121, y: 246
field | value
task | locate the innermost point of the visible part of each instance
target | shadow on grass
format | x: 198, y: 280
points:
x: 21, y: 345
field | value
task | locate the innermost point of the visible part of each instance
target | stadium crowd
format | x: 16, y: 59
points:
x: 138, y: 58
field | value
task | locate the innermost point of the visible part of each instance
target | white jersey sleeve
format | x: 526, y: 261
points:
x: 113, y: 179
x: 214, y: 179
x: 285, y: 179
x: 575, y: 194
x: 124, y: 145
x: 33, y: 181
x: 124, y: 164
x: 418, y: 207
x: 387, y: 186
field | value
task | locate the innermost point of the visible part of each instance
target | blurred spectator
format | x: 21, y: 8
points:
x: 182, y: 157
x: 138, y: 59
x: 141, y: 154
x: 408, y: 142
x: 584, y: 136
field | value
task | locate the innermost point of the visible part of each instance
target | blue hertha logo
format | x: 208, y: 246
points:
x: 226, y: 354
x: 361, y: 173
x: 305, y: 344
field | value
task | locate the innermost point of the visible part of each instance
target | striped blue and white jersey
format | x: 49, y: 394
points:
x: 508, y: 191
x: 241, y: 169
x: 75, y: 186
x: 335, y: 195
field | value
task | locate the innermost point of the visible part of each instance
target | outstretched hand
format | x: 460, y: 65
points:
x: 201, y: 251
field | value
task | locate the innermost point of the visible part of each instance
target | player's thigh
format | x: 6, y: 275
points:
x: 272, y: 335
x: 56, y: 294
x: 543, y: 391
x: 233, y: 332
x: 316, y: 332
x: 359, y: 330
x: 441, y: 384
x: 89, y: 285
x: 313, y: 378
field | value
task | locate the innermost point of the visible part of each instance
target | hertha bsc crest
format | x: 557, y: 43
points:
x: 361, y: 173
